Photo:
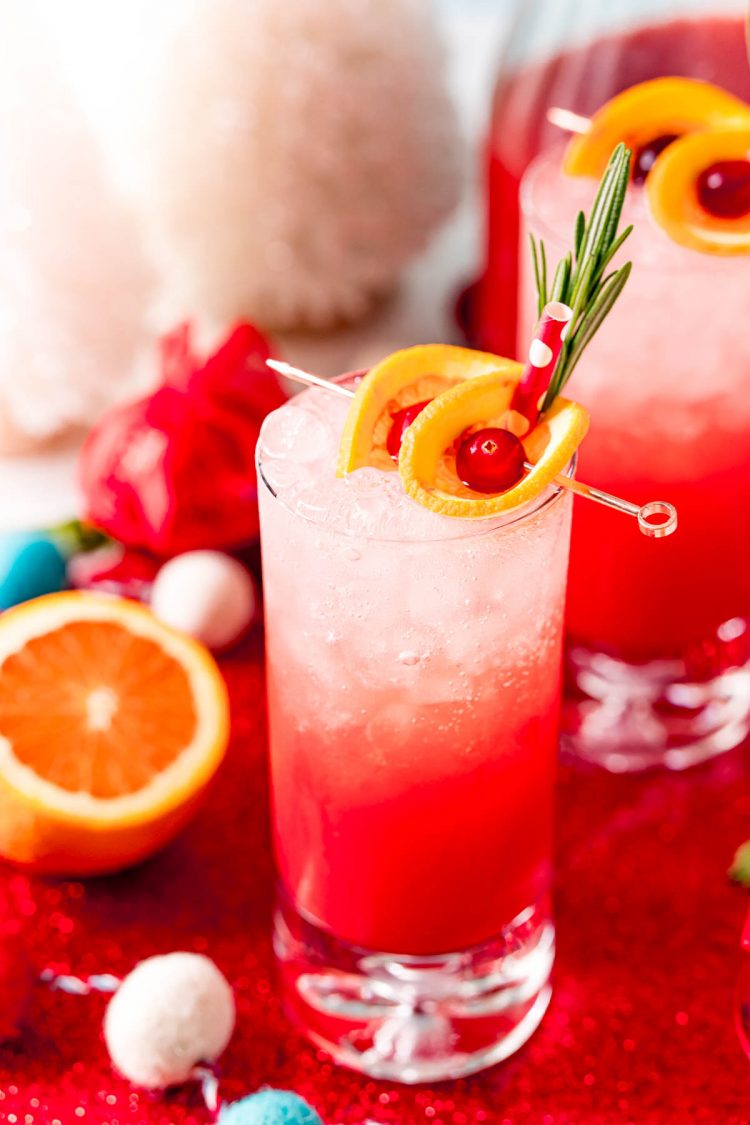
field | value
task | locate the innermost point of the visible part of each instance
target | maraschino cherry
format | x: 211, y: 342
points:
x: 643, y: 160
x: 400, y: 422
x: 724, y: 189
x: 490, y: 460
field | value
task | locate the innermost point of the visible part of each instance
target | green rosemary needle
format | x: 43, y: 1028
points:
x: 580, y: 278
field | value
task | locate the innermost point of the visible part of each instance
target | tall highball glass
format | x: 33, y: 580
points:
x: 413, y: 678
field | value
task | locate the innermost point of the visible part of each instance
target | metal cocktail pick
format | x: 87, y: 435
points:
x: 663, y: 513
x: 568, y: 121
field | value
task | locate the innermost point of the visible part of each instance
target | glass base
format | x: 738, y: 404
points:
x: 629, y: 717
x: 416, y: 1019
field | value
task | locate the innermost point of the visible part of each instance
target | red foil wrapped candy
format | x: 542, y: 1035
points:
x: 174, y: 471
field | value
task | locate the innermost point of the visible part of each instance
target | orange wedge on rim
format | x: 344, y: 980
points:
x: 427, y: 457
x: 658, y: 108
x: 111, y: 727
x: 468, y: 390
x: 400, y: 380
x: 672, y: 189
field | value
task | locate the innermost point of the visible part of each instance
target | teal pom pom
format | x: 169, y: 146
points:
x: 30, y: 565
x: 270, y: 1107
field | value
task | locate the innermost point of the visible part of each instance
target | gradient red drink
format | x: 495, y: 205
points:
x: 657, y: 638
x: 414, y: 675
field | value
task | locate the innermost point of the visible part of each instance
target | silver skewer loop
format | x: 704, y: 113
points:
x: 665, y: 526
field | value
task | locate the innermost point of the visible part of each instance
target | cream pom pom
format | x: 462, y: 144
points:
x: 288, y: 158
x: 218, y: 159
x: 171, y: 1013
x: 208, y: 595
x: 75, y: 280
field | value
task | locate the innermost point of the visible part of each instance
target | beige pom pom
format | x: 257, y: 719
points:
x: 291, y: 157
x: 168, y: 1015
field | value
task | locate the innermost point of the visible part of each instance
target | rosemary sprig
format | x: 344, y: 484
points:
x: 740, y: 868
x: 540, y: 273
x: 579, y: 279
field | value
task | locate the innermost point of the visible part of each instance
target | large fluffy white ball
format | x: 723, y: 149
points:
x: 208, y: 595
x: 288, y: 158
x: 168, y: 1015
x: 75, y: 278
x: 275, y: 160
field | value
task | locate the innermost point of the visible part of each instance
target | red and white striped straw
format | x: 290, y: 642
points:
x: 544, y: 352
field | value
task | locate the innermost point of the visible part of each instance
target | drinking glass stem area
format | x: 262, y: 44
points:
x: 416, y: 1019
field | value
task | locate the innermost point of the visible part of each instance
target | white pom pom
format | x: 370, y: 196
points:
x: 206, y: 594
x: 168, y: 1015
x: 69, y: 246
x: 280, y: 162
x: 322, y: 150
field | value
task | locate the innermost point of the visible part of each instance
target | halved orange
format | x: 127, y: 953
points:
x: 672, y: 190
x: 661, y: 107
x: 111, y: 727
x: 427, y: 457
x: 400, y: 380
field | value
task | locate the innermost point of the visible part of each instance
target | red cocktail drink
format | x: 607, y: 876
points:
x: 414, y: 678
x: 658, y: 650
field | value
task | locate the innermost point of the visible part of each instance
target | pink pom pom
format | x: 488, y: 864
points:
x: 208, y: 595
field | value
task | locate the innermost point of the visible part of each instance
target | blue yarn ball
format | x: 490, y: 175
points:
x: 270, y: 1107
x: 30, y: 565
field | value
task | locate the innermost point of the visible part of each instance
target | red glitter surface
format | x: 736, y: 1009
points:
x: 640, y: 1028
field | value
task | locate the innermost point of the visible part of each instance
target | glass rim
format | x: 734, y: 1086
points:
x: 472, y: 528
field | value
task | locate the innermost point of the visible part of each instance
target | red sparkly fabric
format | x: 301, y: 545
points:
x: 640, y: 1028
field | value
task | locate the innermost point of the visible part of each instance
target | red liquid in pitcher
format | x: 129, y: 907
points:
x: 580, y: 80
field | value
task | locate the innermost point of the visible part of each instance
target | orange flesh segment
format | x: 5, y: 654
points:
x: 672, y: 192
x: 401, y: 379
x: 637, y: 116
x: 75, y: 702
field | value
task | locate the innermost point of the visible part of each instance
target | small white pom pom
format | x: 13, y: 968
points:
x: 206, y: 594
x: 168, y: 1015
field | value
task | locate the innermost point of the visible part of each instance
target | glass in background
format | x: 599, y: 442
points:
x: 658, y: 644
x: 576, y: 54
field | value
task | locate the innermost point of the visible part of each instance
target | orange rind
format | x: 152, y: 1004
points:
x: 672, y: 190
x: 427, y: 457
x: 659, y: 108
x: 111, y: 727
x: 400, y: 380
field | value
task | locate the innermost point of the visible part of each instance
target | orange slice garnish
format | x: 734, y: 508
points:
x: 427, y: 457
x: 111, y: 727
x: 662, y: 107
x: 400, y: 380
x: 673, y: 191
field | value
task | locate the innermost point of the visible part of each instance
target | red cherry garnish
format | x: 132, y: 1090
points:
x: 724, y: 189
x: 643, y: 161
x: 400, y: 422
x: 490, y: 460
